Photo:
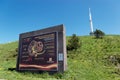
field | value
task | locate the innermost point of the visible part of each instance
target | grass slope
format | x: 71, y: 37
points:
x: 89, y: 62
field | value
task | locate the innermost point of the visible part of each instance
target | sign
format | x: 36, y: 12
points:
x: 60, y: 57
x: 42, y: 50
x: 39, y: 52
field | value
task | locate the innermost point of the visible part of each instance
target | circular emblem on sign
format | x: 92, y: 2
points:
x: 36, y: 48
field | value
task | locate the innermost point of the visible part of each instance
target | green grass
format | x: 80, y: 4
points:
x: 89, y: 62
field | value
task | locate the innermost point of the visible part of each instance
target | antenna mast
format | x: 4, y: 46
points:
x: 91, y: 24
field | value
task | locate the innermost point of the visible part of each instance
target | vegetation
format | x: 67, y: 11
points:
x: 73, y: 43
x: 91, y: 61
x: 99, y: 33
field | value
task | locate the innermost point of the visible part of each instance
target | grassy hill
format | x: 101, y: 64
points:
x: 90, y: 62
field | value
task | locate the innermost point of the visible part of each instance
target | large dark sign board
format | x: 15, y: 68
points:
x: 43, y: 50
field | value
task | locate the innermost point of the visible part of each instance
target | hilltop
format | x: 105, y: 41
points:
x: 90, y: 62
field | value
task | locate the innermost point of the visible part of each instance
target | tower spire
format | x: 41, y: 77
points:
x: 91, y: 24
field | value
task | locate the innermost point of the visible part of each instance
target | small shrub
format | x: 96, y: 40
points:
x: 73, y: 43
x: 99, y: 34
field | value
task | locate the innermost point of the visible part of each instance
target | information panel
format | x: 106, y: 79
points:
x: 43, y: 50
x: 39, y: 52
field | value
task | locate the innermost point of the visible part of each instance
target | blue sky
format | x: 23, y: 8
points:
x: 19, y: 16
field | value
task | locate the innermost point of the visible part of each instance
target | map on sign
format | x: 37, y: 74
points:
x: 39, y: 52
x: 36, y: 48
